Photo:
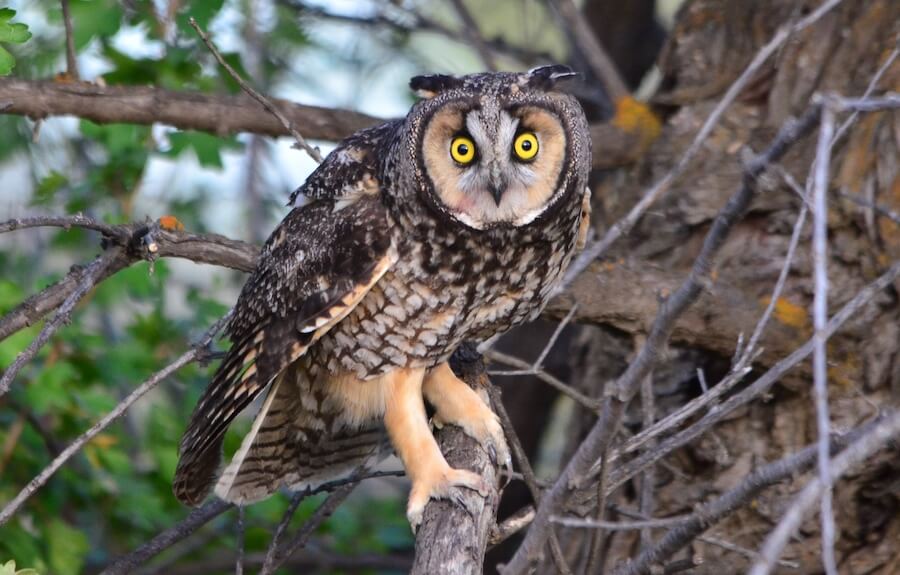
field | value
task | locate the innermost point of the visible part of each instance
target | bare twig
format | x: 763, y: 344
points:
x: 301, y: 141
x: 624, y: 225
x: 87, y: 281
x: 878, y: 208
x: 197, y: 518
x: 820, y: 323
x: 710, y: 513
x: 663, y: 523
x: 71, y: 58
x: 135, y: 240
x: 331, y: 503
x: 470, y: 29
x: 755, y: 390
x: 525, y: 368
x: 511, y: 525
x: 588, y: 46
x: 239, y: 543
x: 527, y: 472
x: 870, y: 443
x: 191, y: 355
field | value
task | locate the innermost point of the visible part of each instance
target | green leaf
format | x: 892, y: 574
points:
x: 12, y: 33
x: 50, y: 390
x: 91, y: 18
x: 67, y: 548
x: 7, y: 62
x: 206, y: 147
x: 47, y: 188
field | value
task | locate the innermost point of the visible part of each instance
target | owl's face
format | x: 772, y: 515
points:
x: 493, y: 148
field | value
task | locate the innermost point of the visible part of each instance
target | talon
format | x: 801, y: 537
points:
x: 441, y: 485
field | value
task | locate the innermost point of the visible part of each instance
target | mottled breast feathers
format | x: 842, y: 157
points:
x: 312, y: 271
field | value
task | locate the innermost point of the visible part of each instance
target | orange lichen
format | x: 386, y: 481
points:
x: 636, y: 118
x: 171, y: 223
x: 790, y: 314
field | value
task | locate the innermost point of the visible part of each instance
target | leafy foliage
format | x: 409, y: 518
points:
x: 10, y: 33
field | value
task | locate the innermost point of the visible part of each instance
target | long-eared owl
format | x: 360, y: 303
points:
x: 454, y: 223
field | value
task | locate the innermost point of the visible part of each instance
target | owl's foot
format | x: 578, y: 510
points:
x: 457, y: 403
x: 440, y: 482
x: 407, y: 425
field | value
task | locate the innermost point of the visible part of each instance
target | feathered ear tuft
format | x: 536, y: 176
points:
x: 433, y: 84
x: 547, y: 77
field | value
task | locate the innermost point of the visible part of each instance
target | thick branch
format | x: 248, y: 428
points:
x: 186, y: 110
x: 224, y: 115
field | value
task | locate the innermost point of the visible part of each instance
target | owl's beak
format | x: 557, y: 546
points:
x: 497, y: 184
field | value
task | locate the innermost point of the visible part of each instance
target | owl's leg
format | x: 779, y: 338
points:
x: 457, y: 403
x: 407, y: 425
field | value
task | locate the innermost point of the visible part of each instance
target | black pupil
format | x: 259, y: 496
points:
x: 526, y: 145
x: 463, y: 149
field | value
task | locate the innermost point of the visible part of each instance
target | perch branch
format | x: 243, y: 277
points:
x: 453, y: 536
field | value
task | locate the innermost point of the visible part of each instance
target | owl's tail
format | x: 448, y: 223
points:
x: 287, y: 446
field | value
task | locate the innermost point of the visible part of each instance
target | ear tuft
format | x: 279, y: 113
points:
x: 431, y: 85
x: 547, y: 77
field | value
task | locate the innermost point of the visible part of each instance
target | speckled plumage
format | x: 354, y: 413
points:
x: 377, y: 275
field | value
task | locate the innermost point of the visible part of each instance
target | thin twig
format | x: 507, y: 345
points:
x: 710, y: 513
x: 331, y: 503
x: 714, y: 541
x: 269, y: 561
x: 859, y: 451
x: 525, y: 368
x: 584, y: 40
x: 197, y: 518
x: 196, y: 351
x: 71, y: 58
x: 623, y: 226
x: 65, y: 222
x: 662, y: 523
x: 63, y: 315
x: 528, y: 475
x: 755, y: 390
x: 239, y: 543
x: 470, y: 29
x: 878, y: 208
x: 511, y: 525
x: 820, y: 324
x: 301, y: 141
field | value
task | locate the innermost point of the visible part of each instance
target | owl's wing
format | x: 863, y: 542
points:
x: 313, y: 270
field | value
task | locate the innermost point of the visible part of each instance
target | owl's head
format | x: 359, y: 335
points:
x: 498, y: 149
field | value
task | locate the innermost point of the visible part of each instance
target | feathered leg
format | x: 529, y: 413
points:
x: 457, y: 403
x: 407, y: 425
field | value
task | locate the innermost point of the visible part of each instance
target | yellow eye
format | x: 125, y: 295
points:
x: 526, y: 146
x: 462, y: 150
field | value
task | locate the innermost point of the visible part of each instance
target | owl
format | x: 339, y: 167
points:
x: 455, y: 223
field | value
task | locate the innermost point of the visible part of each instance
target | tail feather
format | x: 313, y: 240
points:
x: 289, y: 446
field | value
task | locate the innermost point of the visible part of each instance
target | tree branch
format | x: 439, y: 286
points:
x: 224, y: 115
x: 216, y: 114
